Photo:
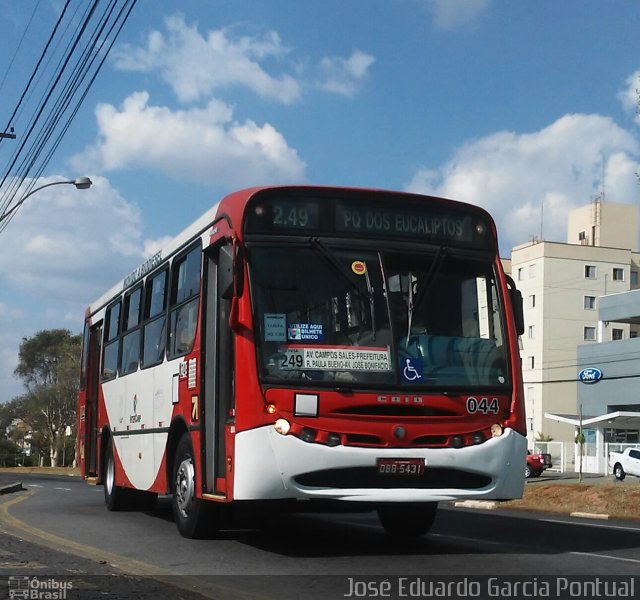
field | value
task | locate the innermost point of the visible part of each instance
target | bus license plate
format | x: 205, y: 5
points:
x: 400, y: 466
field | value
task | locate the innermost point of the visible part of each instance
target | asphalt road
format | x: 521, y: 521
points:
x: 67, y: 531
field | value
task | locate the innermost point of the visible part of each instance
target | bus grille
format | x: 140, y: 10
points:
x: 368, y: 478
x: 395, y: 410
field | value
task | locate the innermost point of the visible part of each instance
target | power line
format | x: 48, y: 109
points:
x: 68, y: 86
x: 17, y: 50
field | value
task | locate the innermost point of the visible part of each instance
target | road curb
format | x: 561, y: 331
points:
x: 11, y: 487
x: 483, y: 504
x: 585, y: 515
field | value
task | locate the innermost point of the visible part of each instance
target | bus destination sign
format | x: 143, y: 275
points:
x: 395, y: 218
x: 357, y: 218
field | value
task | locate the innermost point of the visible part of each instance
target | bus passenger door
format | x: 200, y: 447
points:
x: 218, y: 371
x: 91, y: 408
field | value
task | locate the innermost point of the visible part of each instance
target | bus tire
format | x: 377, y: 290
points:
x: 193, y: 516
x: 407, y: 519
x: 115, y: 497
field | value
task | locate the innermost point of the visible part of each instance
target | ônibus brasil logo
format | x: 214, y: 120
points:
x: 22, y: 587
x: 590, y: 375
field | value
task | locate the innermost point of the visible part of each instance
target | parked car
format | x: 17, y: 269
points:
x: 625, y: 463
x: 545, y: 457
x: 534, y: 466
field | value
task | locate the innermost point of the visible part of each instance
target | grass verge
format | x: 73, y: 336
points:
x: 613, y: 499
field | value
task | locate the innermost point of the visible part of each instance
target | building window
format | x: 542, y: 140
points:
x: 633, y: 334
x: 634, y: 278
x: 590, y: 272
x: 589, y: 302
x: 617, y: 334
x: 532, y: 301
x: 532, y: 332
x: 532, y: 362
x: 532, y: 271
x: 618, y: 274
x: 582, y: 238
x: 520, y: 274
x: 589, y: 334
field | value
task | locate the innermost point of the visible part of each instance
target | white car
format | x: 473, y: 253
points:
x: 625, y: 463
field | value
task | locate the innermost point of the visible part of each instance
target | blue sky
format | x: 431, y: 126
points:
x: 502, y: 103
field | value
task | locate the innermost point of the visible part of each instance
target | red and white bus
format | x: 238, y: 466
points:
x: 311, y: 344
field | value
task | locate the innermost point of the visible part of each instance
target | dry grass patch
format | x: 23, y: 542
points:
x: 614, y: 499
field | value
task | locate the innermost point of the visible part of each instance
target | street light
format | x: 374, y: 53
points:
x: 81, y: 183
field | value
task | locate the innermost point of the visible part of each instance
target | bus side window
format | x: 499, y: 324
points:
x: 183, y: 306
x: 111, y: 346
x: 130, y: 356
x: 154, y: 319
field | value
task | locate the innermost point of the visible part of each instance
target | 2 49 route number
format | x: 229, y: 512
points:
x: 482, y: 405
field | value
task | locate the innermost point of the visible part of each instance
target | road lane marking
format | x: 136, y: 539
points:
x: 582, y: 524
x: 124, y: 563
x: 64, y: 489
x: 594, y: 555
x: 137, y: 567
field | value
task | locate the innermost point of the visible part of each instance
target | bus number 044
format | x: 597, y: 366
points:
x: 484, y: 405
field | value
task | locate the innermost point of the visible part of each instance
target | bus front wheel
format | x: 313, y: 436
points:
x: 193, y: 516
x: 407, y: 519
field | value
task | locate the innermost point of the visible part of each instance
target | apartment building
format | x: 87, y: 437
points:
x: 560, y: 285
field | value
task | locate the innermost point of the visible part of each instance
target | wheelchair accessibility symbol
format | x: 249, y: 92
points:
x: 412, y: 369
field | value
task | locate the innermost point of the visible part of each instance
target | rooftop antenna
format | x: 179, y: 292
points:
x: 604, y: 178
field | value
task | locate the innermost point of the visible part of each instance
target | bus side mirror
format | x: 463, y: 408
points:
x: 230, y: 272
x: 517, y: 305
x: 518, y: 312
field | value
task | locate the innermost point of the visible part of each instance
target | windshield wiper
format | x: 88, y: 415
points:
x: 426, y: 285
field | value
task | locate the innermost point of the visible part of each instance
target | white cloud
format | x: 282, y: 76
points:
x: 449, y: 14
x: 344, y: 75
x: 60, y: 252
x: 196, y: 65
x: 630, y: 95
x: 200, y: 144
x: 153, y: 246
x: 512, y: 175
x: 69, y: 245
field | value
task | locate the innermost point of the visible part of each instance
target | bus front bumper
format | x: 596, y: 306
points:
x: 269, y: 465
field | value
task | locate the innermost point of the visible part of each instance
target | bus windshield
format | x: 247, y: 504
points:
x: 375, y: 317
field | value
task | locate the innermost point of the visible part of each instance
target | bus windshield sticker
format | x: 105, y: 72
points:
x: 275, y: 327
x: 411, y: 370
x: 305, y: 332
x: 358, y: 267
x: 296, y: 358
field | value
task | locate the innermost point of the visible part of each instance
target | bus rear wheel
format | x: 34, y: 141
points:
x: 407, y: 519
x: 115, y: 497
x: 193, y: 516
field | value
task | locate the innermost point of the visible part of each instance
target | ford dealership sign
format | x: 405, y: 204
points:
x: 590, y: 375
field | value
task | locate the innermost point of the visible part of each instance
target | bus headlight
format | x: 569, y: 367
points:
x: 496, y: 430
x: 282, y: 426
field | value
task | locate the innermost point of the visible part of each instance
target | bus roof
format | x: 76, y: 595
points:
x: 232, y: 207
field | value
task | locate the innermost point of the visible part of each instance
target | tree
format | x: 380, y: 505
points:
x: 9, y: 453
x: 48, y: 364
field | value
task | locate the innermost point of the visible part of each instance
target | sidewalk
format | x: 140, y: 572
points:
x: 572, y: 477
